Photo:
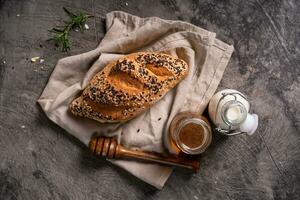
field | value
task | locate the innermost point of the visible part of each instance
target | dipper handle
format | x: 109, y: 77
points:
x: 108, y: 147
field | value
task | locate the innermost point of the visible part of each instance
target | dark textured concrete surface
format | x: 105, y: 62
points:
x: 39, y: 160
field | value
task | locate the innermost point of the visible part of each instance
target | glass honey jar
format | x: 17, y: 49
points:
x: 189, y: 133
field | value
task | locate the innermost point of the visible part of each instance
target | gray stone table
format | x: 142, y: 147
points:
x: 39, y: 160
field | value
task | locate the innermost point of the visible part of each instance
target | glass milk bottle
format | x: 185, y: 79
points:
x: 229, y: 111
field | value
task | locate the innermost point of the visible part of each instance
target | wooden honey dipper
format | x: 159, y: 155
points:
x: 109, y: 147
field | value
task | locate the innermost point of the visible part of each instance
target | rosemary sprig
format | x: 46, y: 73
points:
x: 61, y: 35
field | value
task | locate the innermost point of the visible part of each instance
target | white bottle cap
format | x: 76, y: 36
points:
x: 250, y: 124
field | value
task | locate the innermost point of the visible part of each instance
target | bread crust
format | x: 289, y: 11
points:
x: 127, y: 87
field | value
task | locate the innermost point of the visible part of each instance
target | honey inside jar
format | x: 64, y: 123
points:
x: 189, y: 133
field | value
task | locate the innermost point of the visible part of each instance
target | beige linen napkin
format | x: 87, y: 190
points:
x: 206, y: 56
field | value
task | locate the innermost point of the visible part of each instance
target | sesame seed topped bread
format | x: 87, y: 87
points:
x: 127, y: 87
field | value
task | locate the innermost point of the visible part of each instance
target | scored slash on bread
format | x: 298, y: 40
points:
x: 127, y: 87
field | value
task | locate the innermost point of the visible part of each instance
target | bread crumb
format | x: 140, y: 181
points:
x: 34, y: 59
x: 42, y: 60
x: 126, y: 4
x: 23, y: 126
x: 4, y: 61
x: 86, y: 27
x: 18, y: 15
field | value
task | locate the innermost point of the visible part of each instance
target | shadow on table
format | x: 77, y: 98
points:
x: 184, y: 175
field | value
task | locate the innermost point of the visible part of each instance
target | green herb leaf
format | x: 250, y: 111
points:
x: 68, y: 12
x: 61, y: 35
